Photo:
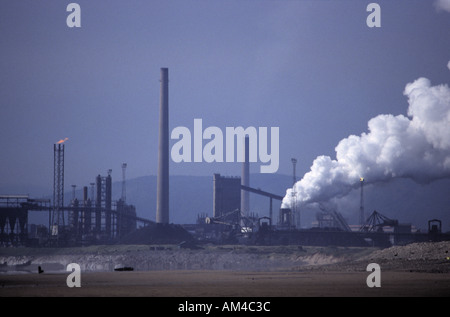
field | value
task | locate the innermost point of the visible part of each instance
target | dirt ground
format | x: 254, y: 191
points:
x: 227, y: 284
x: 421, y: 269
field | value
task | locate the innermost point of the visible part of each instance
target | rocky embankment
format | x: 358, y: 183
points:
x: 426, y: 257
x: 431, y: 257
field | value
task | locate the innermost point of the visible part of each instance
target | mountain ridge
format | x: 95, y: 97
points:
x: 190, y: 196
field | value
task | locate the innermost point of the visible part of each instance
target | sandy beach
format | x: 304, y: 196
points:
x: 408, y: 271
x: 227, y: 284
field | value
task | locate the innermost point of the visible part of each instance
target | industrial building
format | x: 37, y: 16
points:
x: 226, y: 197
x: 99, y: 219
x: 81, y: 222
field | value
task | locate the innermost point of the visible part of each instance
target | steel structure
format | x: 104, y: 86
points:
x: 377, y: 221
x: 266, y: 194
x: 295, y: 214
x: 14, y: 217
x: 124, y: 191
x: 81, y: 227
x: 57, y: 218
x: 332, y: 219
x: 361, y: 204
x: 226, y: 195
x: 245, y: 179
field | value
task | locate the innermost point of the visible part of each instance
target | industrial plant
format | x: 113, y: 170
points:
x: 98, y: 219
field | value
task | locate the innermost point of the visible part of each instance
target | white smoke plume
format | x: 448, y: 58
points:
x: 442, y: 5
x: 415, y: 146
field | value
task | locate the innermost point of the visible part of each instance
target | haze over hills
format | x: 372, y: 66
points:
x: 192, y: 195
x: 400, y: 199
x: 189, y: 195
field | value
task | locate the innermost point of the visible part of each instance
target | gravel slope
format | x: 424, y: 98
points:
x: 417, y: 257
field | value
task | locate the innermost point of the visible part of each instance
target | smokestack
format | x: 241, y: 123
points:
x: 98, y: 204
x: 162, y: 199
x: 245, y: 180
x: 108, y: 203
x: 362, y: 216
x: 85, y: 194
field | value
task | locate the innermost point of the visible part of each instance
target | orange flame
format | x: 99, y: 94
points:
x: 62, y: 141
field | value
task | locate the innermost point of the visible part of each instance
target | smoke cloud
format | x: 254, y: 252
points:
x: 442, y: 5
x: 416, y: 146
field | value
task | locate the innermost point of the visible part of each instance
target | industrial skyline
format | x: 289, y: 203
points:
x: 314, y: 69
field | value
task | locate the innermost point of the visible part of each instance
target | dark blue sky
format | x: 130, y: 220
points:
x: 312, y: 68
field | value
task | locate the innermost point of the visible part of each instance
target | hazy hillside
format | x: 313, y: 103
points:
x: 399, y: 199
x: 191, y: 195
